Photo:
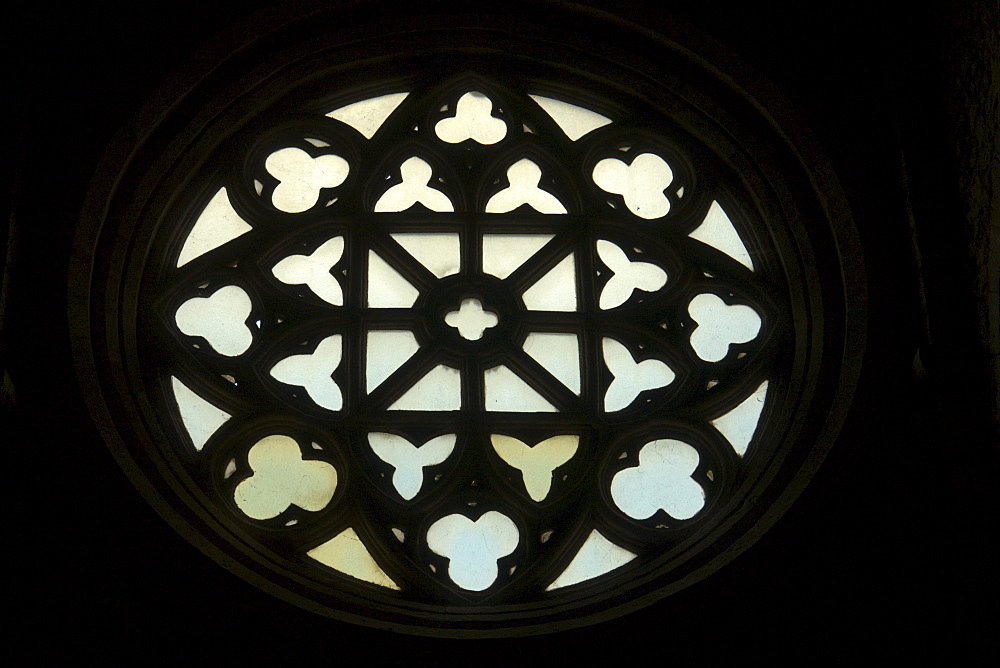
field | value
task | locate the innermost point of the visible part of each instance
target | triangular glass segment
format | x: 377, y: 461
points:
x: 439, y: 390
x: 504, y: 253
x: 386, y: 352
x: 201, y: 419
x: 506, y: 392
x: 217, y: 224
x: 575, y: 121
x: 556, y: 290
x: 596, y: 557
x: 718, y: 232
x: 740, y: 424
x: 441, y: 254
x: 347, y: 554
x: 559, y: 354
x: 386, y: 287
x: 368, y: 116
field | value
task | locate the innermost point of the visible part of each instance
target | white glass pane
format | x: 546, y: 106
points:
x: 409, y: 460
x: 282, y: 478
x: 386, y: 352
x: 641, y: 184
x: 314, y: 271
x: 718, y: 232
x: 318, y: 143
x: 201, y: 419
x: 556, y: 290
x: 217, y: 224
x: 503, y: 253
x: 719, y: 325
x: 440, y: 253
x: 347, y: 554
x: 473, y: 548
x: 631, y: 378
x: 575, y: 121
x: 416, y: 175
x: 596, y: 557
x: 471, y: 320
x: 628, y: 275
x: 368, y: 116
x: 506, y: 392
x: 559, y: 354
x: 662, y: 480
x: 386, y: 287
x: 314, y: 373
x: 220, y: 319
x: 302, y: 176
x: 524, y: 176
x: 537, y: 463
x: 472, y: 120
x: 439, y: 390
x: 739, y: 424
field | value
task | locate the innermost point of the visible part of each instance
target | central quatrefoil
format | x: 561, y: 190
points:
x: 471, y: 320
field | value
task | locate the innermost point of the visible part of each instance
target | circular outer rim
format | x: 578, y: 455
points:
x: 703, y: 74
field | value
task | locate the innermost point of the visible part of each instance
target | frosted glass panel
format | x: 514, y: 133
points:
x: 575, y: 121
x: 387, y: 351
x: 416, y: 175
x: 662, y: 480
x: 719, y: 325
x: 628, y: 275
x: 556, y: 290
x: 220, y: 319
x: 473, y: 548
x: 559, y: 354
x: 439, y: 390
x: 718, y: 232
x: 409, y: 460
x: 537, y: 463
x: 596, y: 557
x: 368, y: 115
x: 386, y: 287
x: 302, y: 176
x: 524, y: 176
x: 217, y: 224
x: 201, y: 419
x: 441, y: 254
x: 347, y: 554
x: 313, y: 372
x: 641, y: 184
x: 471, y: 320
x: 631, y: 378
x: 503, y: 253
x: 506, y: 392
x: 282, y: 478
x: 740, y: 424
x: 472, y: 120
x: 314, y: 271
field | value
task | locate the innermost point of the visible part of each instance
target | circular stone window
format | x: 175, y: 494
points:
x: 421, y: 337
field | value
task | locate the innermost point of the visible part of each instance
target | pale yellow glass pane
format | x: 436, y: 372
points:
x: 201, y: 419
x: 473, y: 548
x: 217, y: 224
x: 386, y: 287
x: 631, y: 378
x: 471, y: 320
x: 314, y: 271
x: 537, y: 463
x: 559, y: 354
x: 575, y: 121
x: 368, y: 116
x: 441, y: 254
x: 596, y: 557
x: 282, y: 478
x: 314, y: 372
x: 662, y: 480
x: 347, y: 554
x: 641, y: 184
x: 416, y: 174
x: 556, y: 290
x: 220, y: 319
x: 302, y: 176
x: 524, y: 176
x: 503, y: 253
x: 409, y: 460
x: 719, y: 325
x: 628, y: 275
x: 740, y: 424
x: 506, y: 392
x: 718, y: 232
x: 439, y: 390
x: 472, y: 120
x: 387, y: 351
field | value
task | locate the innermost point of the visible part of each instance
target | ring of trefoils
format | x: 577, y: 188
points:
x: 472, y: 345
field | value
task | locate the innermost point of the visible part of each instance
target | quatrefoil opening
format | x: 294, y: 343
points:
x: 281, y: 478
x: 472, y: 120
x: 473, y: 548
x: 628, y: 275
x: 720, y: 325
x: 661, y: 481
x: 302, y: 177
x: 641, y: 184
x: 471, y: 320
x: 220, y: 319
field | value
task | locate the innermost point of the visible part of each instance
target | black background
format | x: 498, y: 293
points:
x: 887, y: 552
